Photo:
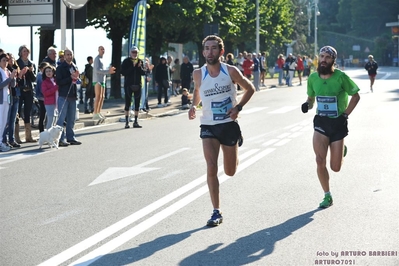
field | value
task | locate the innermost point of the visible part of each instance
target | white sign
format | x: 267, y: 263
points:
x: 30, y: 12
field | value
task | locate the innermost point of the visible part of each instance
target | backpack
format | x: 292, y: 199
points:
x: 286, y: 66
x: 84, y: 79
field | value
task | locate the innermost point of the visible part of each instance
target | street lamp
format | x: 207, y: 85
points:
x: 316, y: 13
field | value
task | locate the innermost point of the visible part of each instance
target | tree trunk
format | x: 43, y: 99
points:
x: 201, y: 59
x: 46, y: 40
x: 116, y: 36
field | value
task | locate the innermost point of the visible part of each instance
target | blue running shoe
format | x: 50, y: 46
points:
x: 216, y: 219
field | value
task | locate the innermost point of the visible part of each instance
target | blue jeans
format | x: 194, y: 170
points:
x: 280, y: 76
x: 12, y: 115
x: 67, y: 110
x: 50, y: 115
x: 256, y: 79
x: 144, y: 96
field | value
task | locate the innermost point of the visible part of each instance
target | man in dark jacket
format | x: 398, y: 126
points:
x: 132, y: 68
x: 66, y: 75
x: 89, y: 94
x: 162, y: 78
x: 186, y: 70
x: 51, y: 56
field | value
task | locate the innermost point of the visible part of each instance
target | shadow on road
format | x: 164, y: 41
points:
x: 396, y: 97
x: 249, y: 248
x: 144, y: 250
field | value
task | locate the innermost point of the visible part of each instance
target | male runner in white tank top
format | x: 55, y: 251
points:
x: 214, y: 84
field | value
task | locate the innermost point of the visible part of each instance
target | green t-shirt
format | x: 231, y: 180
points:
x: 331, y: 94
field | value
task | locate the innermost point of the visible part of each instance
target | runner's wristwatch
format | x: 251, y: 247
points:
x: 345, y: 115
x: 239, y: 107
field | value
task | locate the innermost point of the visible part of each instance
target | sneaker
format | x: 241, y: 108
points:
x: 371, y: 89
x: 345, y: 150
x: 168, y: 103
x: 160, y: 105
x: 63, y: 144
x: 136, y: 125
x: 74, y: 142
x: 240, y: 141
x: 96, y: 117
x: 15, y: 145
x: 327, y: 202
x: 216, y: 219
x: 4, y: 147
x: 127, y: 126
x: 101, y: 116
x: 87, y: 112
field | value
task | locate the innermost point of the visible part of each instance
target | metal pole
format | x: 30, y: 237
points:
x: 315, y: 26
x: 257, y: 27
x: 73, y: 29
x: 309, y: 17
x: 31, y: 43
x: 63, y: 22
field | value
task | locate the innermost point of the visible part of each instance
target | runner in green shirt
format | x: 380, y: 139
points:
x: 330, y: 88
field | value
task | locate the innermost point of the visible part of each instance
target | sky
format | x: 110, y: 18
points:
x: 86, y: 42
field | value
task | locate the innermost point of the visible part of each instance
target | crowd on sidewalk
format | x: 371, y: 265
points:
x: 52, y: 88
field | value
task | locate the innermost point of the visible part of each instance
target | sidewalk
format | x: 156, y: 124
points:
x: 113, y: 109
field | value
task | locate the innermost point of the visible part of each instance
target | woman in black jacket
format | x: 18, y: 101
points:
x: 25, y: 85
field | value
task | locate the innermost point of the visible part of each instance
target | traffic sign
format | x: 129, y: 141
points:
x: 30, y: 13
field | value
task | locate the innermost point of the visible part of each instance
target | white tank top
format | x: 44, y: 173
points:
x: 218, y: 95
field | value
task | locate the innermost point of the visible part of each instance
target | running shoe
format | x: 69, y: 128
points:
x: 345, y: 150
x: 216, y: 219
x: 327, y: 202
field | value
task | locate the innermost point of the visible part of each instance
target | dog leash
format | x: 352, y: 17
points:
x: 56, y: 114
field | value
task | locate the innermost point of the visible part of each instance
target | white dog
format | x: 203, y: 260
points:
x: 50, y: 136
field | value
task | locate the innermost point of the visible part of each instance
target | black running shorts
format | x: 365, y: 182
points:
x: 334, y: 128
x: 226, y: 133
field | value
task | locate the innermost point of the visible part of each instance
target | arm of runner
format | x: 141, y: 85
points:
x: 352, y: 103
x: 196, y: 95
x: 238, y: 77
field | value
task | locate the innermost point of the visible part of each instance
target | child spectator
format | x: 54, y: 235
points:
x: 185, y: 99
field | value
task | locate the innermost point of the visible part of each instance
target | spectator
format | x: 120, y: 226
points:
x: 291, y: 68
x: 99, y: 74
x: 162, y: 79
x: 50, y: 92
x: 12, y: 128
x: 230, y: 59
x: 169, y: 60
x: 239, y: 61
x: 371, y: 67
x: 66, y: 76
x: 132, y: 68
x: 263, y: 67
x: 89, y: 93
x: 51, y: 56
x: 185, y: 99
x: 60, y: 57
x: 176, y: 77
x: 39, y: 96
x: 248, y: 65
x: 280, y: 68
x: 300, y: 67
x: 186, y: 71
x: 144, y: 93
x: 26, y: 87
x: 256, y: 70
x: 7, y: 79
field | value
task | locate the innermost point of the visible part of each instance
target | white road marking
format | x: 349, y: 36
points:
x: 270, y: 142
x: 112, y: 229
x: 148, y: 223
x: 282, y: 142
x: 114, y: 173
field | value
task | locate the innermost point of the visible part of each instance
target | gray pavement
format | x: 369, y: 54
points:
x: 113, y: 109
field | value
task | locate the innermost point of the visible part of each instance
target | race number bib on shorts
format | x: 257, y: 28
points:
x: 219, y: 109
x: 327, y: 106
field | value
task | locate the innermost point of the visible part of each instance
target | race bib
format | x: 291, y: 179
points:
x: 327, y: 106
x: 219, y: 109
